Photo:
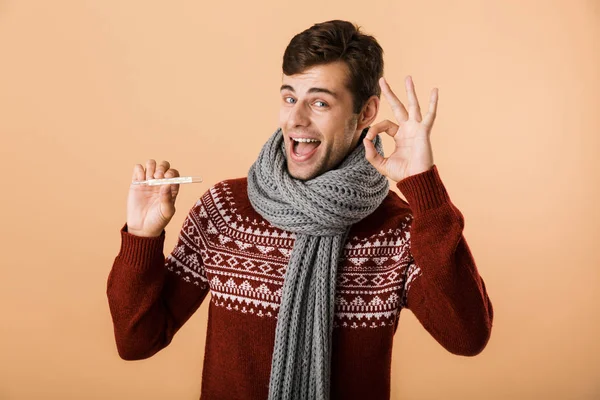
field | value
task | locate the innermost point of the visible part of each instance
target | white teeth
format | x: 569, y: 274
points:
x: 303, y: 140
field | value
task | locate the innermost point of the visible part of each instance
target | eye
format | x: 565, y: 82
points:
x: 320, y: 102
x: 289, y: 100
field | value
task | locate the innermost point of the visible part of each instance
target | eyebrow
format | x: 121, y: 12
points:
x: 311, y: 90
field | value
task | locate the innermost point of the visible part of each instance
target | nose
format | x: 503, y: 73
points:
x: 298, y: 116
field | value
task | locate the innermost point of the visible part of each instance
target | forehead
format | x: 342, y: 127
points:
x: 332, y: 76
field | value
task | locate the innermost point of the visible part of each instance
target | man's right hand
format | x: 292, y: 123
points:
x: 150, y: 208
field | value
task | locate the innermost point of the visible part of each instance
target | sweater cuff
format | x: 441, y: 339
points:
x: 424, y: 191
x: 138, y: 251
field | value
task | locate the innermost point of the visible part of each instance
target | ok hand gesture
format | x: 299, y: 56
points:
x: 413, y: 153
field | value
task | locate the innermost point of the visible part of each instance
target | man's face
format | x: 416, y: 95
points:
x: 316, y: 105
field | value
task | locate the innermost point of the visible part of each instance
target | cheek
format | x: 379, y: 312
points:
x: 337, y: 130
x: 340, y: 138
x: 282, y: 116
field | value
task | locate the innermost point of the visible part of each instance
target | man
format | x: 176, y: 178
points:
x: 311, y: 258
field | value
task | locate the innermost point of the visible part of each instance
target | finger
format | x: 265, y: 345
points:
x: 138, y: 173
x: 172, y: 173
x: 372, y: 156
x: 433, y: 101
x: 386, y: 126
x: 150, y: 167
x: 161, y: 169
x: 414, y: 110
x: 166, y: 193
x: 165, y: 190
x: 395, y: 103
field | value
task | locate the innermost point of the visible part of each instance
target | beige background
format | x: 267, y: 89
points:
x: 90, y: 88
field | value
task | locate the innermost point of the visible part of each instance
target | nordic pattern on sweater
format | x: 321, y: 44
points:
x: 405, y: 255
x: 243, y: 261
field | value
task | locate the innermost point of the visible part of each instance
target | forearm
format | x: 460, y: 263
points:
x: 148, y: 303
x: 447, y: 294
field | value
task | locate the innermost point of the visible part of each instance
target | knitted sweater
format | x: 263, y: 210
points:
x: 404, y: 255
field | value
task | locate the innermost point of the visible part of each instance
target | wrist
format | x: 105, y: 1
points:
x: 142, y: 233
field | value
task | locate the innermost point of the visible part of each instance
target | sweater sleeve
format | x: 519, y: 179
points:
x: 150, y: 297
x: 443, y: 288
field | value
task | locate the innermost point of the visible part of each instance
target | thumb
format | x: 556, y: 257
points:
x: 373, y: 156
x: 167, y: 200
x: 166, y: 194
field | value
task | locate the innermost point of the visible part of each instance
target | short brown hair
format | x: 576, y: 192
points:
x: 339, y: 41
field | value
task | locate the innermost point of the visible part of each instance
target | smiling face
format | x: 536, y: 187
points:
x: 319, y: 127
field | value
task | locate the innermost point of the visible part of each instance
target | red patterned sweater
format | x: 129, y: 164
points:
x: 404, y: 255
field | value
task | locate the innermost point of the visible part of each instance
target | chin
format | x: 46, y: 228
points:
x: 303, y: 175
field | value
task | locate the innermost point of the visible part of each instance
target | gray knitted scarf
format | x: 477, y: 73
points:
x: 320, y: 211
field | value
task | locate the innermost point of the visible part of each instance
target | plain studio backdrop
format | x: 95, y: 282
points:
x: 90, y: 88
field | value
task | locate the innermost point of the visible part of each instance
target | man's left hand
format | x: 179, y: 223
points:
x: 412, y: 154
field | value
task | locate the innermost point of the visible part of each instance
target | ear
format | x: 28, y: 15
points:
x: 368, y: 113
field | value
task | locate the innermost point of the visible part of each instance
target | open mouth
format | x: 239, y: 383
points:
x: 303, y: 148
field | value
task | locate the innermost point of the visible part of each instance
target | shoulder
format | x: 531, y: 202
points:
x: 394, y: 202
x: 228, y: 189
x: 394, y: 206
x: 392, y: 214
x: 229, y: 196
